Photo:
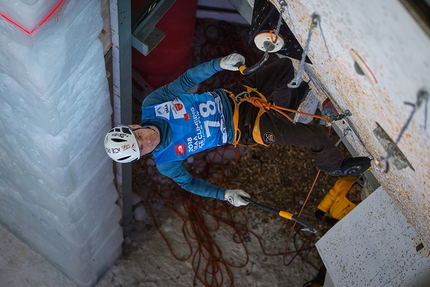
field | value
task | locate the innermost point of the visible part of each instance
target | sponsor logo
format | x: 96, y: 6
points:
x: 178, y: 106
x: 269, y: 138
x: 163, y: 109
x: 178, y: 109
x: 187, y: 117
x: 180, y: 149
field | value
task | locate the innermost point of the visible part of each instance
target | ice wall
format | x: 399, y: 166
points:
x: 28, y: 14
x: 56, y: 185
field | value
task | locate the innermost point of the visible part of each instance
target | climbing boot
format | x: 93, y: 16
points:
x: 352, y: 166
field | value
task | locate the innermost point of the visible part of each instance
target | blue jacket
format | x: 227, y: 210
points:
x: 176, y: 91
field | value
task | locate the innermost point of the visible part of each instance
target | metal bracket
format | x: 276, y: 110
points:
x: 265, y: 18
x: 145, y: 36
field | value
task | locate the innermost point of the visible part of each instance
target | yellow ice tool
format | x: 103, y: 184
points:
x: 283, y: 214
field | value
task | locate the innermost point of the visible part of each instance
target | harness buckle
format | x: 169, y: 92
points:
x: 241, y: 95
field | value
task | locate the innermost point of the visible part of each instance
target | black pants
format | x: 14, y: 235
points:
x: 272, y: 82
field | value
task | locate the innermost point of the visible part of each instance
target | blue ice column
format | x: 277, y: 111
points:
x: 57, y: 190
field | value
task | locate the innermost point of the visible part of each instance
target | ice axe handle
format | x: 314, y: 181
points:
x: 282, y: 213
x: 262, y: 207
x: 248, y: 70
x: 241, y: 67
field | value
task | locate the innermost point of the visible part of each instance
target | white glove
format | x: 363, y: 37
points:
x: 232, y: 62
x: 234, y: 197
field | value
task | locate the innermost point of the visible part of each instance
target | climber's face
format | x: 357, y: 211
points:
x: 354, y: 194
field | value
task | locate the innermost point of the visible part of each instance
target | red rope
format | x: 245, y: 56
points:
x: 202, y: 218
x: 294, y: 224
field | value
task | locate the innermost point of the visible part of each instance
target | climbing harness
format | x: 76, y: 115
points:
x: 258, y: 100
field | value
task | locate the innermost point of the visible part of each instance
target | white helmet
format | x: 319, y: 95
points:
x: 121, y: 144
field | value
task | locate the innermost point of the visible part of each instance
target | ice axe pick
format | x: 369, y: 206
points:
x: 283, y: 214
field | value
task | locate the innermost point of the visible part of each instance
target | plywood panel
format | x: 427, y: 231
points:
x: 374, y: 246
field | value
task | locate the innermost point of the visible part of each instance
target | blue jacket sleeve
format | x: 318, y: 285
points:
x: 184, y: 179
x: 181, y: 85
x: 186, y: 81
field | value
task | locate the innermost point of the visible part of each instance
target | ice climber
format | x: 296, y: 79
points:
x: 176, y: 124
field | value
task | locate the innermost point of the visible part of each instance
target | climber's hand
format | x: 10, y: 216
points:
x: 232, y: 62
x: 234, y: 196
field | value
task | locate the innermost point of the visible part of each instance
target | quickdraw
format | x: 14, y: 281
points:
x: 316, y: 21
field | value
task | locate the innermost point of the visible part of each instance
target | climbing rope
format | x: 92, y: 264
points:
x: 260, y: 101
x: 292, y: 230
x: 210, y: 261
x: 202, y: 218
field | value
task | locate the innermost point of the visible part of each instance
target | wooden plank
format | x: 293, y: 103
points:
x: 105, y: 36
